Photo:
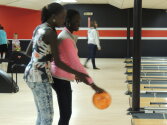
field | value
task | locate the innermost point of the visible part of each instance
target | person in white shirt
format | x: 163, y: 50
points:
x: 16, y: 43
x: 93, y: 44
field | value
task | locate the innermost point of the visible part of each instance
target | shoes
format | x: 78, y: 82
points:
x: 85, y: 66
x: 96, y: 68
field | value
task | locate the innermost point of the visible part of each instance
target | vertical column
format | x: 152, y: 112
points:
x: 128, y: 34
x: 137, y: 24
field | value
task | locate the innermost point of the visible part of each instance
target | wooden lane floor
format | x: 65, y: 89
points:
x: 150, y: 76
x: 149, y: 119
x: 149, y: 102
x: 155, y: 82
x: 155, y: 71
x: 151, y: 61
x: 149, y: 87
x: 148, y: 64
x: 148, y: 69
x: 19, y: 108
x: 147, y: 59
x: 155, y: 100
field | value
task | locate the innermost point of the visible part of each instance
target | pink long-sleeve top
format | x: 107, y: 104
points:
x: 69, y: 55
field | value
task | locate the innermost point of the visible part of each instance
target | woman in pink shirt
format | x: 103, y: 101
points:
x: 68, y: 54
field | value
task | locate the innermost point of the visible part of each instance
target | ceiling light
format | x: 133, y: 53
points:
x: 66, y: 1
x: 58, y: 1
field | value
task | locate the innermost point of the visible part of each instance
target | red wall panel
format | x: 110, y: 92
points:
x: 19, y: 20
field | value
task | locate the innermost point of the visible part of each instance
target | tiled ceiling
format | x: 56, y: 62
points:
x: 122, y: 4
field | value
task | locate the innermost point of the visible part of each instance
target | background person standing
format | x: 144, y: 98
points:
x: 16, y: 43
x: 3, y: 43
x: 93, y: 44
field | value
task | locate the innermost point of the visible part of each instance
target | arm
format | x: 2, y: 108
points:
x: 69, y: 51
x: 70, y: 54
x: 51, y: 38
x: 29, y: 49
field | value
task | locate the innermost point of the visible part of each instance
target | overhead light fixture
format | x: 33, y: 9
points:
x: 88, y: 13
x: 58, y: 1
x: 66, y: 1
x: 69, y: 1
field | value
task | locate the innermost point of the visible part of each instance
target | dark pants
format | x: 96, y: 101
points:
x: 92, y: 54
x: 64, y: 96
x: 3, y: 49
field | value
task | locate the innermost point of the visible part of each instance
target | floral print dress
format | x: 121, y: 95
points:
x: 38, y: 70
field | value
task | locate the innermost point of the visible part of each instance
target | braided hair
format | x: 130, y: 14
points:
x: 49, y: 10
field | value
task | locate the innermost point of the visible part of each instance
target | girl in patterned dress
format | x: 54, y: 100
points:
x: 37, y: 73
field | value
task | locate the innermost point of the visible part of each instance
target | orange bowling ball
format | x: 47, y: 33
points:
x: 102, y: 100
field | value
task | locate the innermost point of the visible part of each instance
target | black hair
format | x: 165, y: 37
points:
x: 49, y: 10
x: 92, y: 23
x: 1, y: 27
x: 71, y: 13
